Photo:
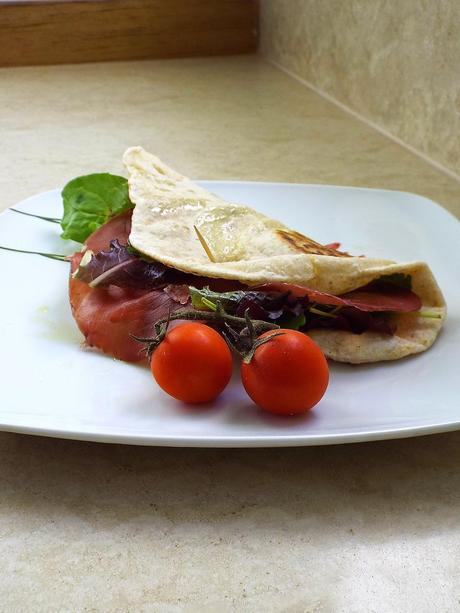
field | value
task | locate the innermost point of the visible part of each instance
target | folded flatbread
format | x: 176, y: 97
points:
x: 184, y: 226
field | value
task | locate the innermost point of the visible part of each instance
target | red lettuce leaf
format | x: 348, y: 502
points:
x: 296, y: 311
x: 120, y: 267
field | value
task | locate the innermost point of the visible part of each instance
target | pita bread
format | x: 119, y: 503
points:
x: 184, y: 226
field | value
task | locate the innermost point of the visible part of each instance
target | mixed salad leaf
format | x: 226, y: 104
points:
x: 271, y: 307
x: 119, y: 266
x: 90, y: 201
x: 289, y: 311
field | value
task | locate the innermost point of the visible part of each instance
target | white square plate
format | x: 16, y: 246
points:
x: 50, y: 385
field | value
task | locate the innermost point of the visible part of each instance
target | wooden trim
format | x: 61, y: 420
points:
x: 57, y: 32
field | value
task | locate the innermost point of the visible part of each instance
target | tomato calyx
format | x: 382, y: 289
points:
x: 248, y: 339
x: 240, y: 333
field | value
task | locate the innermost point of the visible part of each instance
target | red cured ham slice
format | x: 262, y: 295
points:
x: 333, y: 246
x: 117, y: 228
x: 108, y: 317
x: 391, y: 298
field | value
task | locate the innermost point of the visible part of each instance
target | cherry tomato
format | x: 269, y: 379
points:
x: 192, y: 363
x: 287, y: 375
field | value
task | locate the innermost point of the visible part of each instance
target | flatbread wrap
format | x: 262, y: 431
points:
x: 182, y: 245
x: 172, y: 214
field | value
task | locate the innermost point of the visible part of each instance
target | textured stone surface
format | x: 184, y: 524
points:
x: 106, y: 528
x: 360, y: 528
x: 396, y: 63
x: 213, y: 119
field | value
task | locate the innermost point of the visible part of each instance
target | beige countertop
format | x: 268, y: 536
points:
x: 92, y: 527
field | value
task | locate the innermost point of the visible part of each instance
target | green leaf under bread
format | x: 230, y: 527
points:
x: 90, y: 201
x: 399, y: 279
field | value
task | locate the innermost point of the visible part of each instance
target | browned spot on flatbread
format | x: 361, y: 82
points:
x: 302, y: 243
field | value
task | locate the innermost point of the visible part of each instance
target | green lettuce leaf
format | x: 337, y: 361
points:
x: 227, y: 299
x: 293, y: 322
x: 399, y: 279
x: 90, y: 201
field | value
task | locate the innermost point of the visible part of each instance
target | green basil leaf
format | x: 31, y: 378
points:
x: 90, y: 201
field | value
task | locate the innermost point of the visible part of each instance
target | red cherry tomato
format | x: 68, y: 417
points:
x: 287, y: 375
x: 192, y: 363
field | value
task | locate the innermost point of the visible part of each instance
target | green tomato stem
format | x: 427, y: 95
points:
x: 246, y: 327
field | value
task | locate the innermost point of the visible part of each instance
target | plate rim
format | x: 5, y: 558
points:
x: 236, y: 442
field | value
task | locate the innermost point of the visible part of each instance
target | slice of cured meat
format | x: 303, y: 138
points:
x: 378, y: 298
x: 108, y: 317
